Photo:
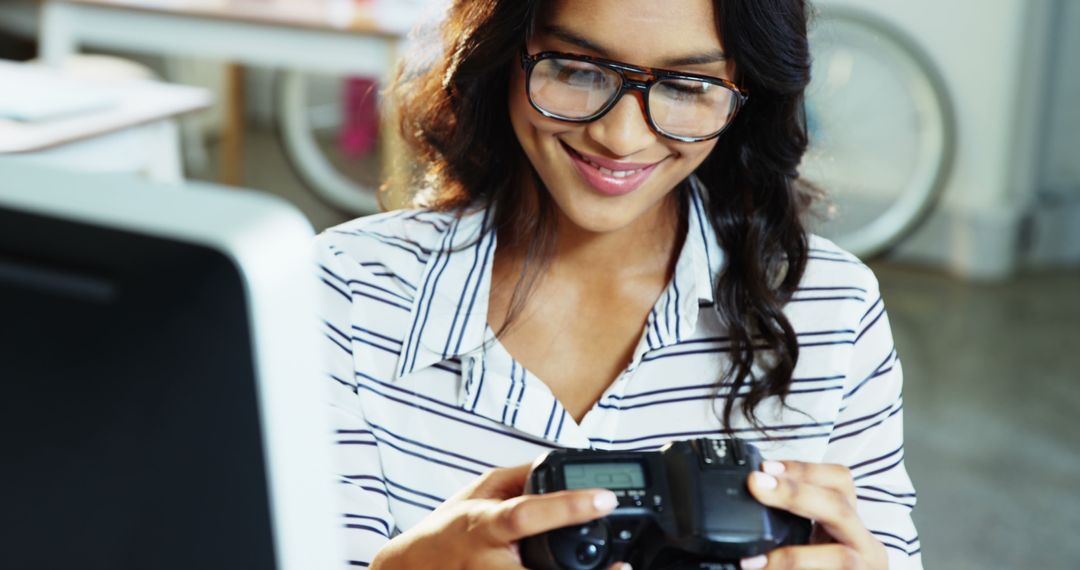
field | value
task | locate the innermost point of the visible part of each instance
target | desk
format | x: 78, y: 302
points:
x: 133, y: 107
x: 328, y: 36
x: 341, y: 37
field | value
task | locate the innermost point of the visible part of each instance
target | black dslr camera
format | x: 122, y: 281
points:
x: 683, y: 507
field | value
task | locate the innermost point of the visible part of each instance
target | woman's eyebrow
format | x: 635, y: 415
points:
x: 571, y: 37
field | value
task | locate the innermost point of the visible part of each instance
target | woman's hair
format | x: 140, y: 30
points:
x: 454, y: 115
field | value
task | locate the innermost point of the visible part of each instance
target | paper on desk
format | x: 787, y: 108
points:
x: 36, y: 98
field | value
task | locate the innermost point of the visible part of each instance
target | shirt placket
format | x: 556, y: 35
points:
x: 498, y: 389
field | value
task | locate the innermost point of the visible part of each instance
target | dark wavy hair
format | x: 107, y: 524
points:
x: 454, y: 116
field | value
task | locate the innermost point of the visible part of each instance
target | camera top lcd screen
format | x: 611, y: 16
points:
x: 614, y: 475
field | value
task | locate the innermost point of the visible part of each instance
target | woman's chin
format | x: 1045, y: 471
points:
x: 599, y: 218
x: 595, y: 226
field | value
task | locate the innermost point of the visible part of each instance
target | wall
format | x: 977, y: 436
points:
x: 989, y: 54
x: 1054, y: 238
x: 1060, y: 170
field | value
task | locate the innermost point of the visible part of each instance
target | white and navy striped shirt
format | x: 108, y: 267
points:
x: 425, y: 399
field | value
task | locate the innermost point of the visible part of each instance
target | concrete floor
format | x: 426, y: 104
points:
x: 992, y: 400
x: 992, y: 397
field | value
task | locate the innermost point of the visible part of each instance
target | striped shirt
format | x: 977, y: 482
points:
x: 425, y: 399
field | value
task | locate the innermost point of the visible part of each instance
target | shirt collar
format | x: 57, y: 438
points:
x: 449, y: 315
x: 675, y: 315
x: 707, y: 255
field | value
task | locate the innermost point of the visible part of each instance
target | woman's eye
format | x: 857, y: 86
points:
x: 683, y: 88
x: 579, y: 74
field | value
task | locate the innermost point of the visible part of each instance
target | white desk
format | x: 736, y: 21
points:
x: 339, y: 37
x: 130, y: 104
x: 331, y: 36
x: 137, y: 114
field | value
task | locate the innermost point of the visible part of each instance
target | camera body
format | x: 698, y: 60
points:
x: 686, y: 506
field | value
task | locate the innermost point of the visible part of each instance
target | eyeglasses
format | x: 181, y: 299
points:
x: 682, y: 106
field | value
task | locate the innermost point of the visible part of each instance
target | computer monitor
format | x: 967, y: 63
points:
x: 159, y: 378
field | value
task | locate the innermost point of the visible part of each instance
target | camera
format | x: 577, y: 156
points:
x: 685, y: 506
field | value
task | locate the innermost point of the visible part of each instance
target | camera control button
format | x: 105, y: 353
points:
x: 588, y: 553
x: 542, y: 477
x: 625, y: 531
x: 594, y: 531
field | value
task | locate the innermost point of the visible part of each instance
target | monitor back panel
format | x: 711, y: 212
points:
x: 129, y: 426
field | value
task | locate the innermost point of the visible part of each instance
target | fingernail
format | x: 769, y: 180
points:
x: 764, y: 481
x: 772, y: 467
x: 605, y: 501
x: 623, y: 566
x: 754, y: 563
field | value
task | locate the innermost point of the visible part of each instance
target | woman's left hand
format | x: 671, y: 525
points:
x: 824, y: 494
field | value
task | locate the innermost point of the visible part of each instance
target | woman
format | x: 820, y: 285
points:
x: 610, y: 255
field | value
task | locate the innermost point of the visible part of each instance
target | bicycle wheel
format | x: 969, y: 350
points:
x: 882, y: 131
x: 307, y: 126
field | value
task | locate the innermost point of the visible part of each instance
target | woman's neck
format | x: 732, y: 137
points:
x: 648, y: 247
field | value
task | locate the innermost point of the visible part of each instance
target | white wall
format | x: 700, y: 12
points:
x: 1055, y: 221
x: 988, y: 53
x: 1061, y: 163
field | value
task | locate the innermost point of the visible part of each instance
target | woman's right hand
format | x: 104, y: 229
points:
x: 480, y: 526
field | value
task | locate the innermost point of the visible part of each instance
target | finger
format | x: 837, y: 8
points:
x: 495, y: 559
x: 621, y: 566
x: 499, y: 484
x: 502, y: 483
x: 530, y: 515
x: 828, y: 507
x: 824, y: 557
x: 821, y: 474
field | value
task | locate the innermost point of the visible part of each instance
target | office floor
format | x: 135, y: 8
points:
x: 992, y: 400
x: 992, y: 393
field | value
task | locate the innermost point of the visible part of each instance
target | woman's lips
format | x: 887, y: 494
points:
x: 610, y: 177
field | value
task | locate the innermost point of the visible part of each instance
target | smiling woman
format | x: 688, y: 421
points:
x: 609, y: 253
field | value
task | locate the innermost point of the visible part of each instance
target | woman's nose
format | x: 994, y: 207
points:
x: 624, y: 130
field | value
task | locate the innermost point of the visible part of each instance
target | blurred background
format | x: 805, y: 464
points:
x: 947, y: 135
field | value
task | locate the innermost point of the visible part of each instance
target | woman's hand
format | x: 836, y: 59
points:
x: 824, y: 494
x: 480, y: 526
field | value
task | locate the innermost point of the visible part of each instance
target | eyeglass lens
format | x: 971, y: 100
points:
x: 573, y: 89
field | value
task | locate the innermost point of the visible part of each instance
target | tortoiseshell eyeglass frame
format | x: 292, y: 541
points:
x: 652, y: 76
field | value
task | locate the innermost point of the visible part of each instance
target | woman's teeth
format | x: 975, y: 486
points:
x: 614, y: 173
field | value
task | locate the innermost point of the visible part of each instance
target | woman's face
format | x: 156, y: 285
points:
x: 566, y: 155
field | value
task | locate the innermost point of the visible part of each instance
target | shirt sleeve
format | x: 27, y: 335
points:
x: 869, y: 436
x: 366, y: 521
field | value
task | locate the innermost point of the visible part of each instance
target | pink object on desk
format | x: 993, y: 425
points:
x: 360, y: 128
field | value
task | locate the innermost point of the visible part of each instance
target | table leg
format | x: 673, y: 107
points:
x: 165, y: 164
x: 56, y: 34
x: 231, y: 154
